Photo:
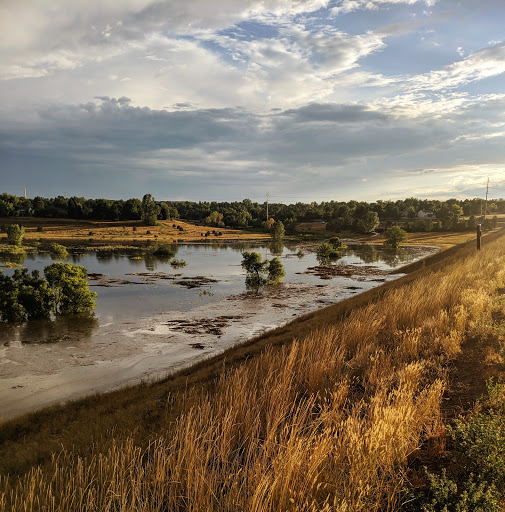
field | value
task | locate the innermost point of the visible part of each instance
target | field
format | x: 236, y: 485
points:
x: 71, y: 232
x: 88, y: 232
x: 338, y: 410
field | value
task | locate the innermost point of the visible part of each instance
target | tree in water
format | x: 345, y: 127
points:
x: 261, y: 272
x: 395, y: 236
x: 25, y: 297
x: 70, y: 287
x: 150, y: 210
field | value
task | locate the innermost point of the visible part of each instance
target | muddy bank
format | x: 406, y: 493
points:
x: 116, y: 354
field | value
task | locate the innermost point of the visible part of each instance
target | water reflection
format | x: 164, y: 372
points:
x: 49, y: 331
x: 368, y: 253
x: 17, y: 257
x: 395, y: 257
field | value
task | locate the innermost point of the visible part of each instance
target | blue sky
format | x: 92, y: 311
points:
x: 304, y: 100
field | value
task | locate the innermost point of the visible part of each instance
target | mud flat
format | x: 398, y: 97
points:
x: 133, y: 350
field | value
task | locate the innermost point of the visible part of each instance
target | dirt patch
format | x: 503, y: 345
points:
x: 477, y: 362
x: 331, y: 271
x: 195, y: 282
x: 103, y: 280
x: 203, y: 326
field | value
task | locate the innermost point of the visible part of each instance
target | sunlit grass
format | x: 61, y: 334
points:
x: 327, y: 422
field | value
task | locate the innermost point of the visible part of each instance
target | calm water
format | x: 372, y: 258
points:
x: 146, y: 295
x: 134, y: 333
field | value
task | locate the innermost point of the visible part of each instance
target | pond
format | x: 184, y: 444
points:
x: 151, y: 319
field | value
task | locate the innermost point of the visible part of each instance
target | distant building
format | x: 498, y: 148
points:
x: 423, y: 214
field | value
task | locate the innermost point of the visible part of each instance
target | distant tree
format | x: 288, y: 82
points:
x: 15, y: 234
x: 214, y: 219
x: 395, y: 236
x: 6, y: 208
x: 70, y: 287
x: 132, y: 209
x: 268, y: 224
x: 75, y: 208
x: 278, y: 231
x: 164, y: 211
x: 150, y: 210
x: 368, y: 222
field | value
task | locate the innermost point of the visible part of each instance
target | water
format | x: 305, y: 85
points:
x: 134, y: 334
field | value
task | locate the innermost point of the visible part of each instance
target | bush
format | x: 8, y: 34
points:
x: 15, y: 234
x: 479, y: 449
x: 326, y: 252
x: 175, y: 263
x: 164, y: 250
x: 395, y: 236
x: 58, y: 251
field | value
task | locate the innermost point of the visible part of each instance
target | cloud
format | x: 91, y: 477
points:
x: 479, y: 65
x: 334, y: 113
x: 345, y: 6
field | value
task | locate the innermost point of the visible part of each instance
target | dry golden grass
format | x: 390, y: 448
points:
x: 325, y: 423
x: 71, y: 231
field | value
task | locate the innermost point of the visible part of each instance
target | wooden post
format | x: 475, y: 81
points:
x: 479, y: 235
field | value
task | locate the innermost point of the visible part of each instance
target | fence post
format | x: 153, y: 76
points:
x: 479, y: 235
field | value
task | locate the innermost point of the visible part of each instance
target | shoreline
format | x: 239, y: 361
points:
x: 148, y: 349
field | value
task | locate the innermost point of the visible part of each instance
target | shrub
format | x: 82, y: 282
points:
x: 58, y: 251
x: 175, y: 263
x: 15, y: 234
x: 395, y: 236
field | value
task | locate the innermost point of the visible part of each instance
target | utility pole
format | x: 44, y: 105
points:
x: 268, y: 195
x: 487, y: 191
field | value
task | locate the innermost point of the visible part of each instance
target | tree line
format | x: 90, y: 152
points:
x: 415, y: 214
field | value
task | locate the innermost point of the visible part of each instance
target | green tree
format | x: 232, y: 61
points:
x: 214, y: 219
x: 150, y: 210
x: 15, y: 234
x: 327, y: 252
x: 275, y: 270
x: 24, y: 297
x: 70, y: 287
x: 368, y: 222
x: 278, y: 231
x: 254, y: 267
x: 261, y: 272
x: 395, y: 236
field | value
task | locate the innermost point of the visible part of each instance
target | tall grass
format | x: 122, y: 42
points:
x: 327, y: 423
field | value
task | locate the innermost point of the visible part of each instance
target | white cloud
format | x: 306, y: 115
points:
x: 344, y: 6
x: 482, y: 64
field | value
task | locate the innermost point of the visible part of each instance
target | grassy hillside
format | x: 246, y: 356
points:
x: 331, y: 420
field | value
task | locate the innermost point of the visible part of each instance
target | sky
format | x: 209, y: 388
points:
x: 304, y: 100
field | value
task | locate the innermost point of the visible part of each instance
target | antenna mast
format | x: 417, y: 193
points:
x: 487, y: 191
x: 268, y: 195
